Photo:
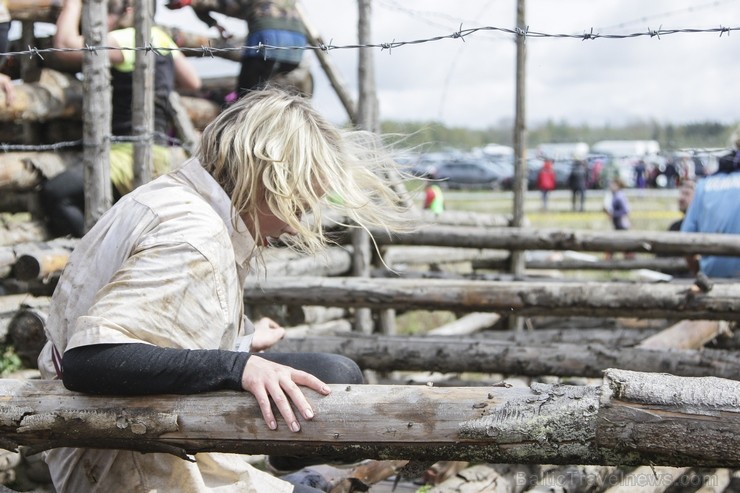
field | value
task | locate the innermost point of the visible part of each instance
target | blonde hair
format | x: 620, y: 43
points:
x: 274, y: 143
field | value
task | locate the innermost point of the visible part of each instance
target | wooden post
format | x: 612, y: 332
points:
x: 142, y: 102
x: 329, y: 69
x: 520, y: 148
x: 366, y: 120
x: 96, y: 112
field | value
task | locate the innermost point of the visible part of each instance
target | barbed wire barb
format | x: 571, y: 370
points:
x: 589, y: 35
x: 34, y: 52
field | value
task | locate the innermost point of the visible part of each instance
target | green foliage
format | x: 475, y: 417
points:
x: 9, y: 361
x: 433, y: 136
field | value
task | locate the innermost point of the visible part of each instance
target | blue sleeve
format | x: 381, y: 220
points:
x: 690, y: 223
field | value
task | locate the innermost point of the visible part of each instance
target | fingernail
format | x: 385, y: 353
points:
x: 325, y: 389
x: 295, y: 426
x: 309, y: 413
x: 272, y: 425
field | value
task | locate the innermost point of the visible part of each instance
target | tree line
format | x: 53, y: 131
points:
x: 433, y: 136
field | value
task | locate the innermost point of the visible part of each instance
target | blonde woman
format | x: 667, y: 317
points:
x: 151, y: 300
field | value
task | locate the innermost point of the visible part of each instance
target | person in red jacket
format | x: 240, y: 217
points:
x: 546, y: 181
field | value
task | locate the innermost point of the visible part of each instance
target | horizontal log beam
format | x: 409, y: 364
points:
x: 443, y: 354
x: 632, y: 418
x: 507, y: 298
x: 557, y: 239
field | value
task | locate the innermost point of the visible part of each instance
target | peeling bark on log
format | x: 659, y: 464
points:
x: 513, y: 298
x: 443, y: 354
x: 632, y: 419
x: 550, y: 239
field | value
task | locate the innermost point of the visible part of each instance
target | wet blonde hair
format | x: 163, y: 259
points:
x: 275, y: 143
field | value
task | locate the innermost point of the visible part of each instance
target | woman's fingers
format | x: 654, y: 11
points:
x: 271, y: 381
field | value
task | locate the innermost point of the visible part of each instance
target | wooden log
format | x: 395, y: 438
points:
x: 523, y: 298
x: 613, y: 338
x: 686, y: 334
x: 648, y: 479
x: 11, y: 304
x: 183, y: 124
x: 443, y: 354
x: 12, y: 232
x: 395, y: 255
x: 332, y: 261
x: 16, y: 202
x: 201, y: 111
x: 464, y: 218
x: 467, y: 324
x: 21, y: 171
x: 35, y: 10
x: 633, y: 404
x: 55, y: 95
x: 676, y: 243
x: 663, y: 264
x: 575, y: 479
x: 631, y: 419
x: 26, y: 334
x: 38, y: 251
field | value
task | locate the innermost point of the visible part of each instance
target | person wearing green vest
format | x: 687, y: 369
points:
x: 433, y: 198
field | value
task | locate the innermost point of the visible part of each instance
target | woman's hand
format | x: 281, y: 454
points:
x: 6, y: 85
x: 267, y: 380
x: 266, y: 333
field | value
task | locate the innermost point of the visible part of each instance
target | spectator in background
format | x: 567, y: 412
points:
x: 274, y: 23
x: 63, y: 197
x: 620, y: 209
x: 433, y: 198
x: 546, y: 181
x: 577, y: 181
x: 671, y: 173
x: 6, y: 85
x: 716, y: 209
x: 640, y: 174
x: 685, y: 196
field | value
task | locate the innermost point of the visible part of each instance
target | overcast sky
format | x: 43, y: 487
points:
x: 679, y: 78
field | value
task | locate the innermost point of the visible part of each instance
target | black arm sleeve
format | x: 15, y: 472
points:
x: 137, y: 369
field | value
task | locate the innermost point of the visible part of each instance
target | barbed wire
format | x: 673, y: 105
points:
x: 114, y: 139
x: 461, y: 34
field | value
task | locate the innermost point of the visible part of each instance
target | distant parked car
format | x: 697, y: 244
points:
x: 468, y: 174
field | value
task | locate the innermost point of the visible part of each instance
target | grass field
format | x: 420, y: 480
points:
x: 651, y: 210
